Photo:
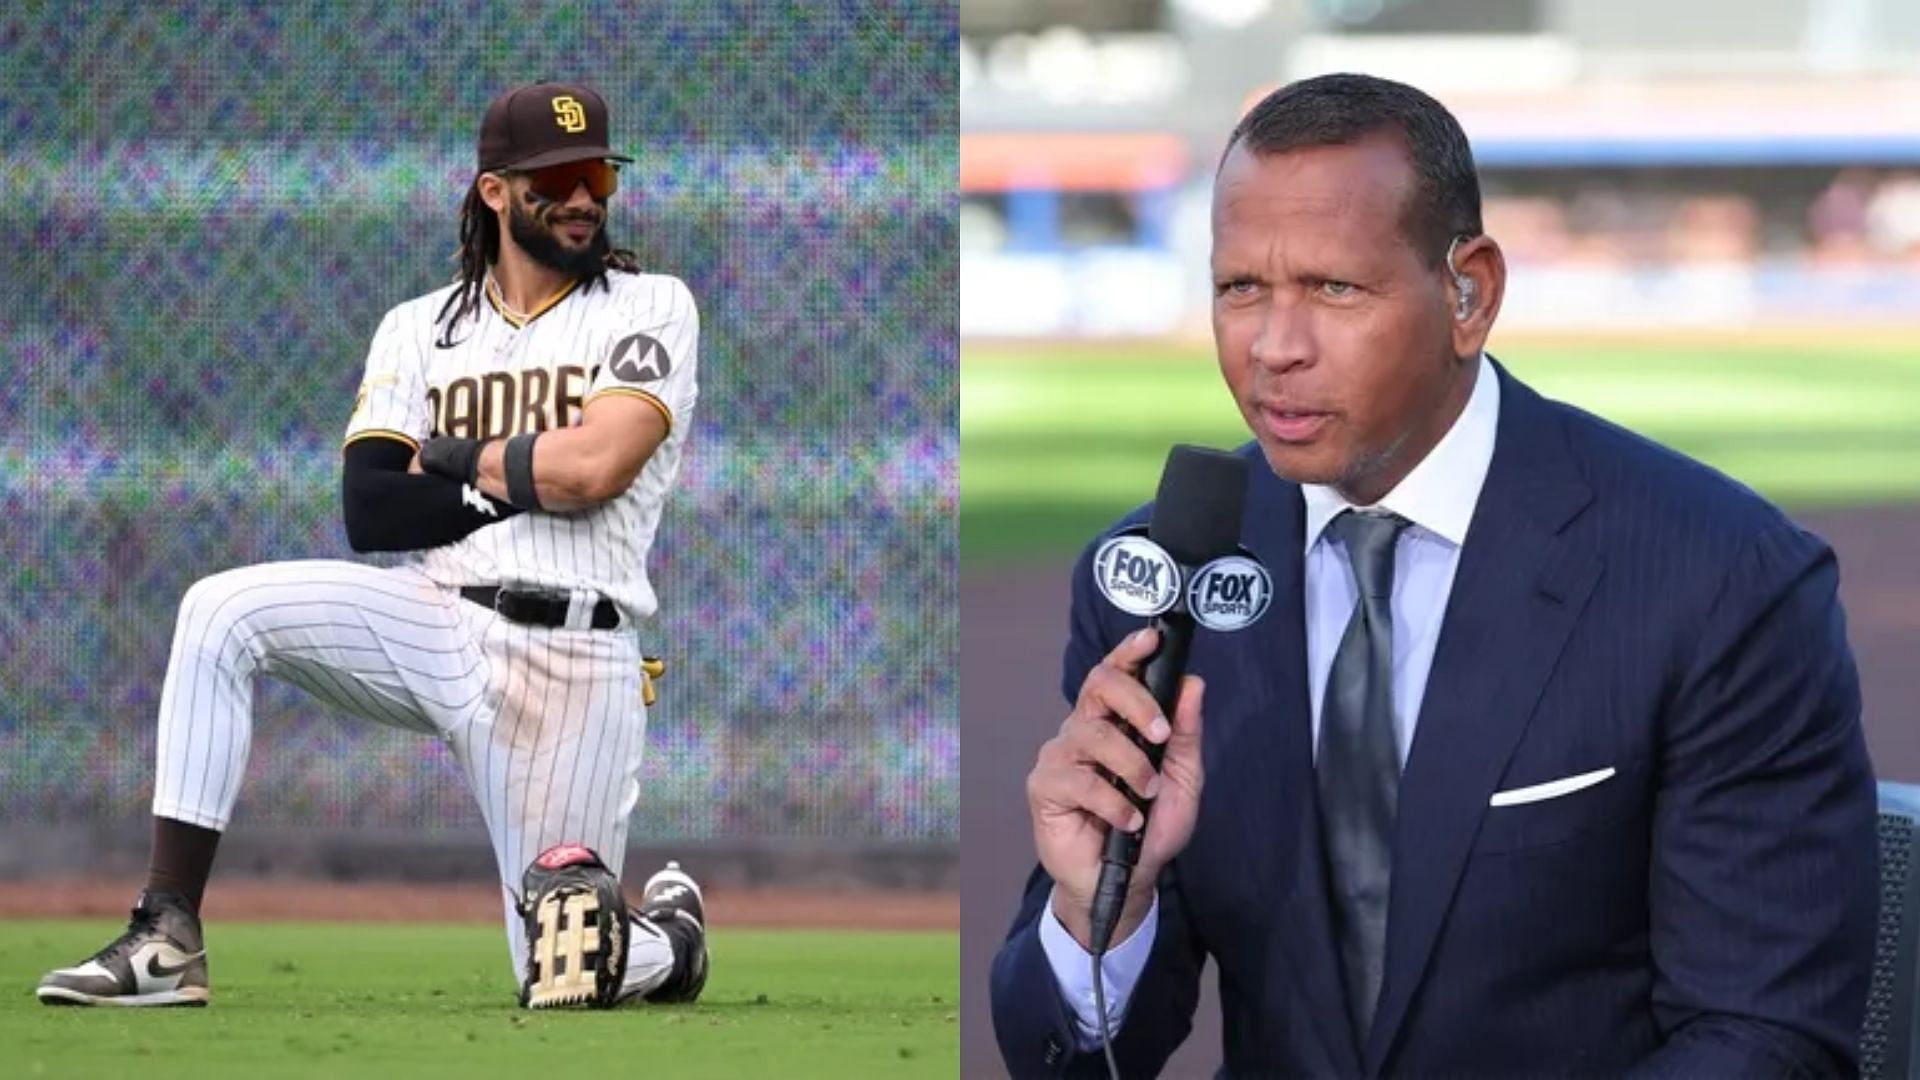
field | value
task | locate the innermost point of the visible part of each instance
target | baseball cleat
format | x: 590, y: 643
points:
x: 672, y: 902
x: 160, y: 960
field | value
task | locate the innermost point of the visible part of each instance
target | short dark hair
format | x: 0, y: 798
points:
x: 1337, y: 110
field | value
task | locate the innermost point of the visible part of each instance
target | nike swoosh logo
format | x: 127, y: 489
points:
x: 157, y: 966
x: 157, y: 970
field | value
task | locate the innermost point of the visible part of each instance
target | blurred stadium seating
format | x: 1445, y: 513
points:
x: 1728, y: 165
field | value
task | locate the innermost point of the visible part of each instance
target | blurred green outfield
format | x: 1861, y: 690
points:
x: 408, y: 1000
x: 1057, y: 440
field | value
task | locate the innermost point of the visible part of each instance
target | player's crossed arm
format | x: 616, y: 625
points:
x: 386, y: 506
x: 644, y: 387
x: 577, y: 467
x: 569, y: 468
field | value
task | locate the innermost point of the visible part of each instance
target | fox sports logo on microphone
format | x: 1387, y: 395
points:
x: 1229, y: 593
x: 1136, y: 575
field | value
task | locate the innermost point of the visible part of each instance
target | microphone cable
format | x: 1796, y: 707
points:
x: 1100, y: 1006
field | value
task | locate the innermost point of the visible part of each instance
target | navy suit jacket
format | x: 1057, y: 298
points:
x: 1707, y: 911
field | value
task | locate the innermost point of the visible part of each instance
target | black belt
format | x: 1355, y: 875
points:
x: 539, y: 609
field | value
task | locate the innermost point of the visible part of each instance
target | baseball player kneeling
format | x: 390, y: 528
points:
x: 518, y: 433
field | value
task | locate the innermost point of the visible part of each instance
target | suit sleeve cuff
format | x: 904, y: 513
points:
x: 1073, y: 971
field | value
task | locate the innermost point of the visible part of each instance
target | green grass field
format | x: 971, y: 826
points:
x: 1055, y: 442
x: 395, y: 1000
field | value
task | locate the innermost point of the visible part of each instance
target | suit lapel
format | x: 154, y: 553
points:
x: 1285, y: 805
x: 1518, y: 591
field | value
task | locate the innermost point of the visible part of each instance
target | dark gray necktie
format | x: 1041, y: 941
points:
x: 1358, y: 768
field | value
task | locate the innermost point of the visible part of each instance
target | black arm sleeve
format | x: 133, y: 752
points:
x: 388, y: 509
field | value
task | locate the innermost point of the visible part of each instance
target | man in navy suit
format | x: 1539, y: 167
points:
x: 1545, y: 758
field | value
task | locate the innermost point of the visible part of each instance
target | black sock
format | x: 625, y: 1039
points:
x: 182, y: 859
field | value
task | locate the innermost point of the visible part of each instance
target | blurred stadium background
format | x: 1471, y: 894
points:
x: 1711, y: 213
x: 205, y: 207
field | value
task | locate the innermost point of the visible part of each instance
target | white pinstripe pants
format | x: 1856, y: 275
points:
x: 546, y: 723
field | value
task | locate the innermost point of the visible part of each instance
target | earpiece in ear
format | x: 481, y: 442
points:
x: 1461, y: 282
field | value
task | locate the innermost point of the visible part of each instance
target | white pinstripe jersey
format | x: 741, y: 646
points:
x: 505, y: 376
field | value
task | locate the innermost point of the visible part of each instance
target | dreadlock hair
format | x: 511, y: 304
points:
x: 480, y: 248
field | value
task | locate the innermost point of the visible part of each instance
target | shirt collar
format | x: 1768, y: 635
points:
x: 1440, y: 493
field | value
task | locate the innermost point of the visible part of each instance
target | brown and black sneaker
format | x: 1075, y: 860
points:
x: 160, y: 960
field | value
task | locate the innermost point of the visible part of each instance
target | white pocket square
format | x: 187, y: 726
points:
x: 1552, y: 789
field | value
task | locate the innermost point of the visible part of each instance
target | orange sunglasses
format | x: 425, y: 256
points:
x: 556, y: 183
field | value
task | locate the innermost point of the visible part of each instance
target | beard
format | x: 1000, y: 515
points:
x: 542, y: 243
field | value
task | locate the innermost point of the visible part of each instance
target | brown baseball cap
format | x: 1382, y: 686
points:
x: 531, y: 127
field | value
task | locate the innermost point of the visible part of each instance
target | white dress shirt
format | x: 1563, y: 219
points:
x: 1438, y: 497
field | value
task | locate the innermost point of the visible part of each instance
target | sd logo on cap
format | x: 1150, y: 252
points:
x: 531, y: 127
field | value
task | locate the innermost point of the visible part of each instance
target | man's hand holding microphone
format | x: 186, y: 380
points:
x: 1074, y: 806
x: 1118, y: 789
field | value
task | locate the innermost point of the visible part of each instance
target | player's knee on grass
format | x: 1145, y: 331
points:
x: 650, y: 960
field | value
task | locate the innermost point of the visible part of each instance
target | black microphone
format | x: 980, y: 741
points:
x: 1196, y: 519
